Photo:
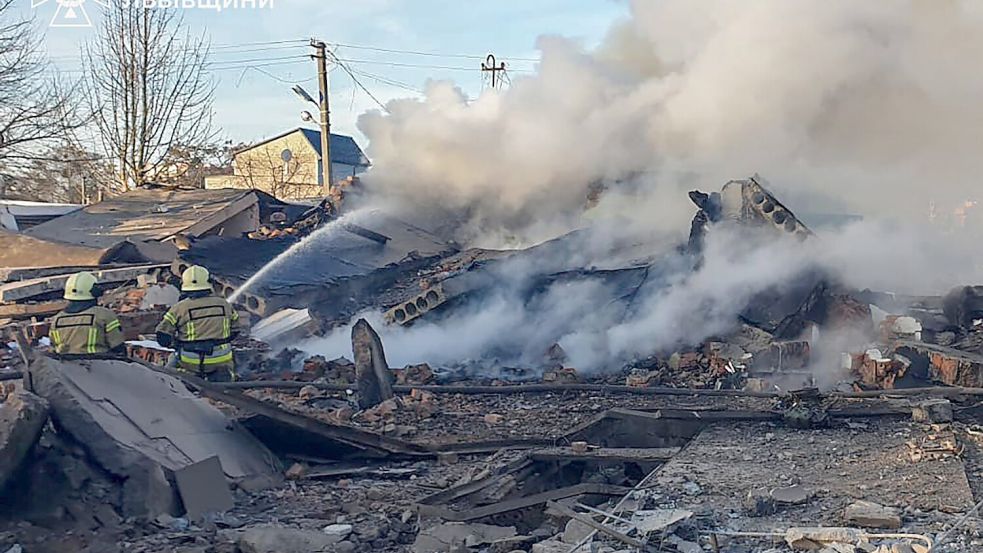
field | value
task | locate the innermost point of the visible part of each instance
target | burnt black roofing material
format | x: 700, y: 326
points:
x: 322, y: 261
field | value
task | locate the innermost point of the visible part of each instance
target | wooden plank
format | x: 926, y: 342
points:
x: 521, y: 502
x: 23, y: 346
x: 11, y: 274
x: 28, y: 310
x: 701, y: 415
x: 35, y: 287
x: 377, y: 472
x: 612, y: 454
x: 451, y: 494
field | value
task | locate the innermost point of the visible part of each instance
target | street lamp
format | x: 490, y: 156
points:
x: 299, y: 91
x: 324, y: 124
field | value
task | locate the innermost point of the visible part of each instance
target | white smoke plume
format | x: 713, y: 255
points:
x: 860, y: 107
x: 871, y: 105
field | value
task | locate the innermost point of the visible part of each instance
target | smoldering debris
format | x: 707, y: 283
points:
x: 615, y: 305
x: 751, y: 276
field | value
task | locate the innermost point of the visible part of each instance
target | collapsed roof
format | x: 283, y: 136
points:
x: 21, y: 250
x: 151, y: 217
x: 344, y: 262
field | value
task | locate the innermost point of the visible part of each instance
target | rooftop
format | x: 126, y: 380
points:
x: 344, y: 149
x: 150, y: 214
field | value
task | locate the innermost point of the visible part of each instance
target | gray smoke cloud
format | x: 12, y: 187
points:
x: 870, y: 105
x: 860, y: 107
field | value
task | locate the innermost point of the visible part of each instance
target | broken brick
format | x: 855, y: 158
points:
x: 565, y: 375
x: 296, y: 471
x: 414, y: 375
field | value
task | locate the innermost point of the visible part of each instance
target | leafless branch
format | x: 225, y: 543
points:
x: 148, y: 90
x: 36, y: 110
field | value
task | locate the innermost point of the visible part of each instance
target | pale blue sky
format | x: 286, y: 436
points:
x: 254, y: 102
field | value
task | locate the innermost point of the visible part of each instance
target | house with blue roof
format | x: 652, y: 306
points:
x: 288, y: 166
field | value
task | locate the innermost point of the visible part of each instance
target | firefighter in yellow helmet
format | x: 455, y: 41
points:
x: 201, y: 327
x: 84, y: 328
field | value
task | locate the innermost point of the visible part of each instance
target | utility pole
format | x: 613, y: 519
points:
x: 489, y: 65
x: 321, y: 57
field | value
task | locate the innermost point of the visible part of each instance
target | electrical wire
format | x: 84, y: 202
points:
x: 255, y: 65
x: 423, y: 66
x: 268, y: 74
x: 387, y: 81
x: 419, y: 53
x: 250, y: 50
x: 258, y: 63
x: 257, y: 60
x: 70, y: 58
x: 294, y: 41
x: 359, y: 84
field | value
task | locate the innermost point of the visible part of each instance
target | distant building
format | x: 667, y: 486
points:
x: 18, y: 215
x: 288, y: 166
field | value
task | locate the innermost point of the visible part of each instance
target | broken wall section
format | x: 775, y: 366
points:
x: 143, y: 427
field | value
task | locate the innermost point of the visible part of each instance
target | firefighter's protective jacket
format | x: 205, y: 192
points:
x: 202, y: 329
x: 95, y: 330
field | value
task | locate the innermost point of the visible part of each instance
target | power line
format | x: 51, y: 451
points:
x: 422, y: 66
x: 249, y: 50
x: 388, y: 81
x: 419, y: 53
x: 359, y: 83
x: 255, y: 65
x: 244, y: 62
x: 67, y: 57
x: 268, y: 74
x: 255, y: 60
x: 294, y: 41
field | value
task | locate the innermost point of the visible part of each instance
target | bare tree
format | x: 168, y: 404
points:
x: 187, y: 166
x: 60, y: 173
x: 34, y: 112
x: 147, y: 89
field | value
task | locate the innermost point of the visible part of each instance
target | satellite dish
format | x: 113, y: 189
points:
x: 286, y: 155
x: 306, y: 116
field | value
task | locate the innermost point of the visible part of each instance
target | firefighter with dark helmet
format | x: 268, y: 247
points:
x: 201, y: 327
x: 84, y: 328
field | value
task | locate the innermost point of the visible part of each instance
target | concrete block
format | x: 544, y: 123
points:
x: 272, y: 539
x: 204, y: 489
x: 814, y: 539
x: 371, y: 370
x: 871, y: 515
x: 22, y: 418
x: 932, y: 411
x: 142, y: 426
x: 451, y: 535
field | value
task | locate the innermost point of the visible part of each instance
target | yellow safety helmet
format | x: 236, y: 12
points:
x: 195, y: 278
x: 79, y: 286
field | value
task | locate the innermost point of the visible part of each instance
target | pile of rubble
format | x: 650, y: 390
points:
x: 724, y: 445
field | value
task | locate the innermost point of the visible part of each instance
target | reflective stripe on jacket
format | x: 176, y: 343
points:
x: 221, y: 354
x: 210, y: 318
x: 92, y: 331
x: 202, y: 328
